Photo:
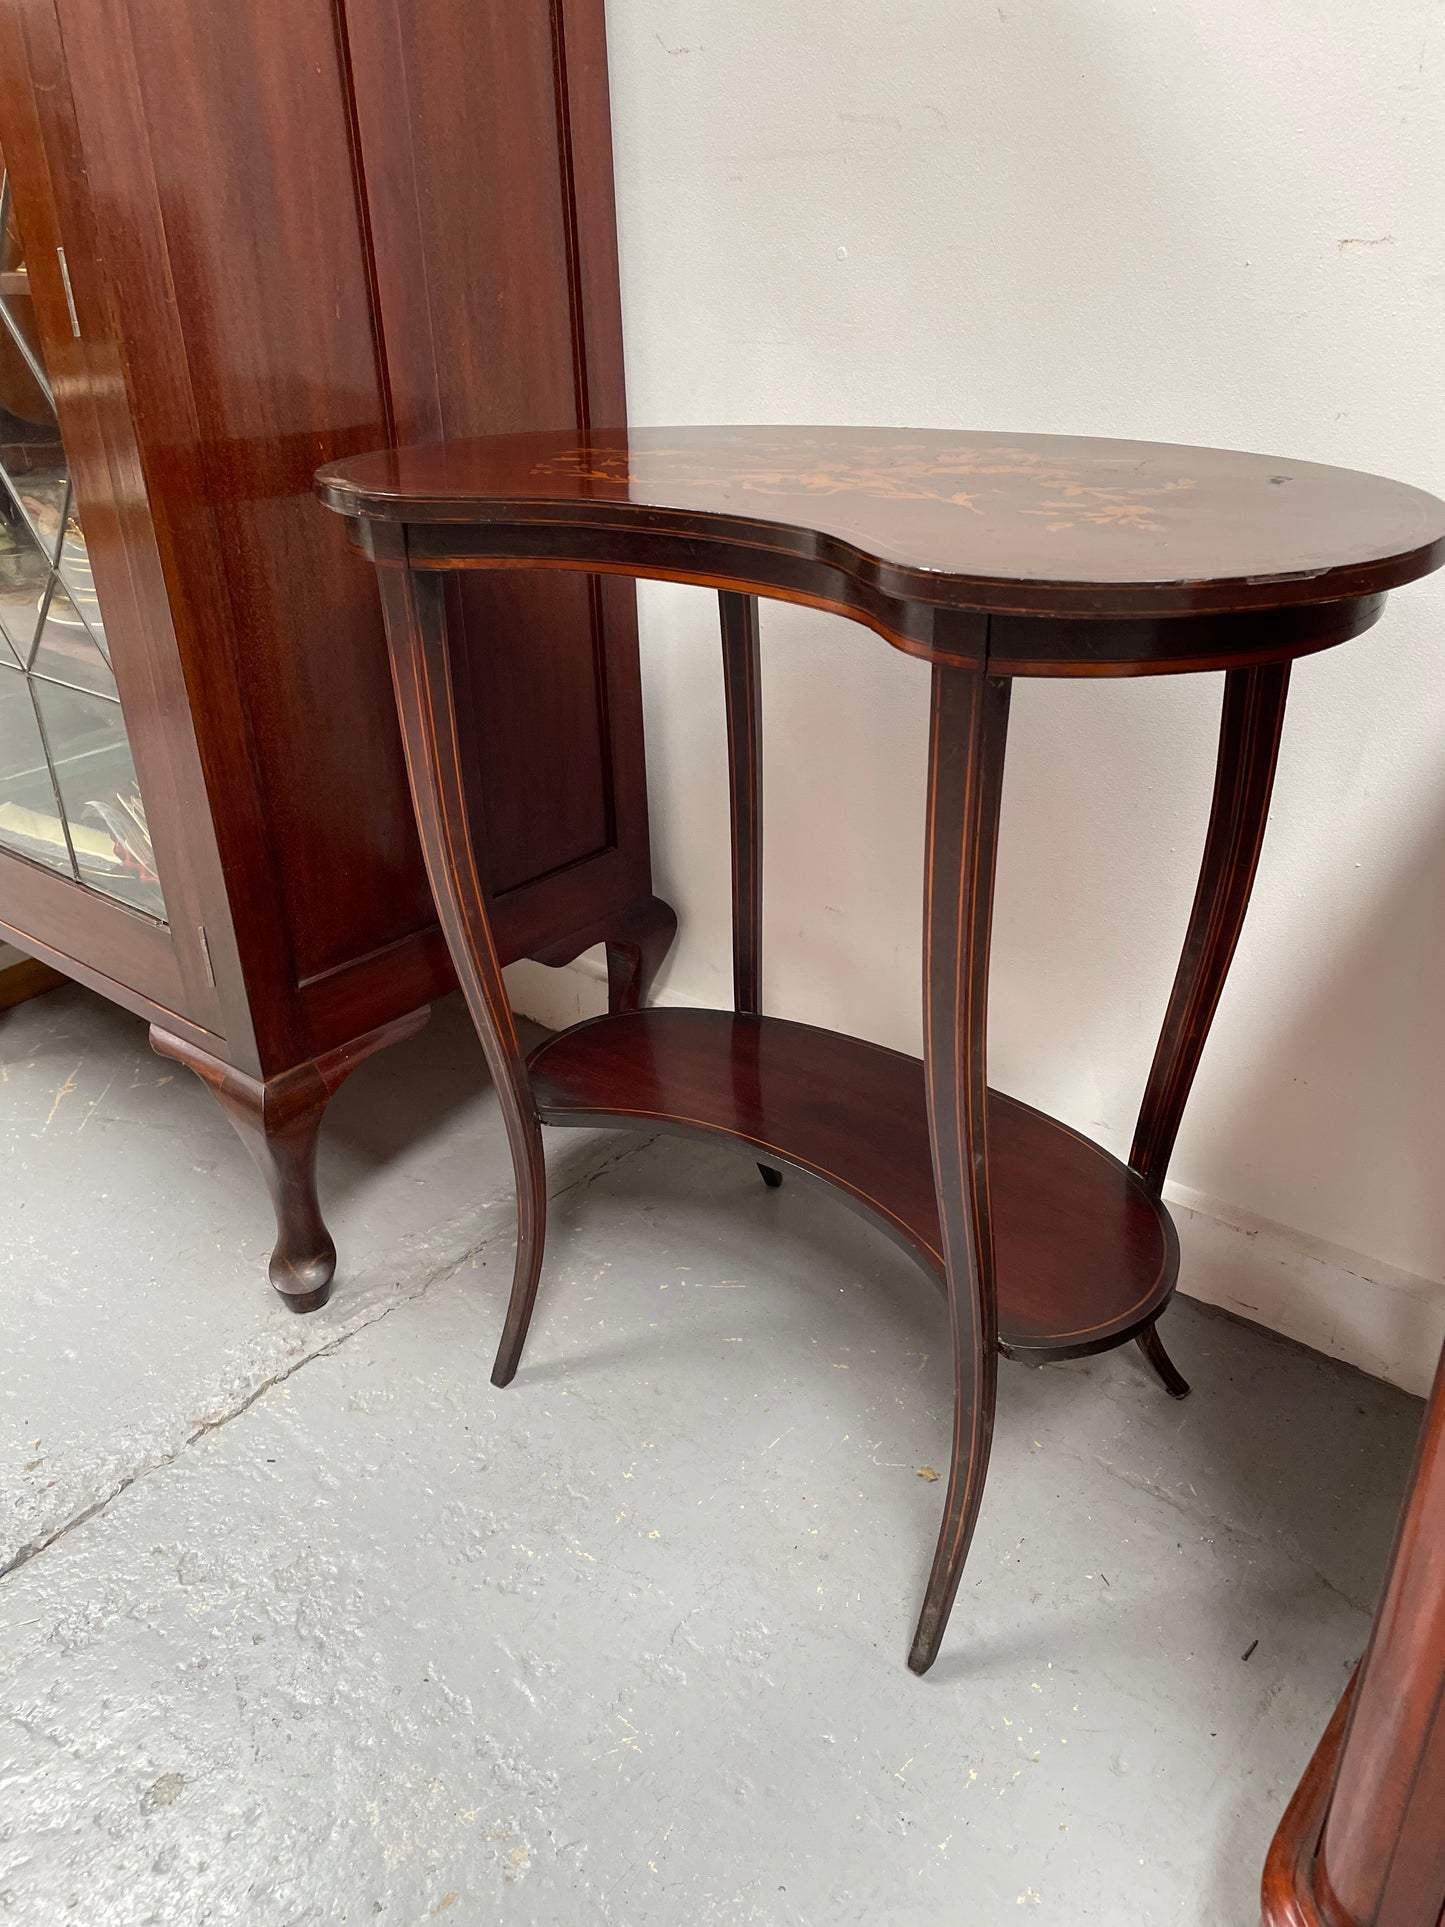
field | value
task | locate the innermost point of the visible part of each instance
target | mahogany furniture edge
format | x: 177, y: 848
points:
x: 1362, y: 1843
x: 1287, y: 1888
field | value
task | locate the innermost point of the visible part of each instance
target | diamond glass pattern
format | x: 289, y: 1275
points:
x: 68, y: 791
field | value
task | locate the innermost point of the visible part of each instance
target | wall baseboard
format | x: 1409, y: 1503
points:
x: 1388, y: 1322
x: 556, y: 998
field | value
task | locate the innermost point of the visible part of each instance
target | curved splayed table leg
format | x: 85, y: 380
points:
x: 413, y: 603
x: 1169, y: 1374
x: 968, y: 728
x: 742, y: 700
x: 1249, y: 733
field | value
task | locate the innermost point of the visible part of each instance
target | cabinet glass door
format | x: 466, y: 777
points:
x: 68, y: 791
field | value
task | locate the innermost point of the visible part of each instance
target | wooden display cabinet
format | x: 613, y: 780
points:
x: 240, y: 241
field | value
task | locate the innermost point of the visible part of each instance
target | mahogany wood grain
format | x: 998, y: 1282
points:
x: 1084, y: 1256
x: 1249, y: 737
x: 1361, y: 1843
x: 967, y: 732
x: 19, y: 982
x: 1167, y: 1372
x: 163, y: 969
x: 636, y: 940
x: 415, y: 611
x: 1153, y: 645
x: 743, y: 711
x: 520, y: 325
x: 1382, y: 1849
x: 742, y: 708
x: 278, y: 1120
x: 276, y: 259
x: 816, y: 583
x: 240, y: 359
x: 109, y: 947
x: 990, y: 557
x: 1287, y: 1888
x: 179, y: 225
x: 637, y: 944
x: 1032, y: 525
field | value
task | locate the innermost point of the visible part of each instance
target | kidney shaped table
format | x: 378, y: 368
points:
x: 989, y: 556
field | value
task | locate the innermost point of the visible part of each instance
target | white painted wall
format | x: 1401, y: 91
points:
x: 1208, y: 221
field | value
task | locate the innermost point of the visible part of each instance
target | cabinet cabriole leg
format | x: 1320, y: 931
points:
x: 636, y: 948
x: 278, y: 1119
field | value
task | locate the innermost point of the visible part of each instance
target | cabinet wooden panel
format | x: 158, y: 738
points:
x: 238, y: 134
x: 257, y: 238
x: 522, y: 327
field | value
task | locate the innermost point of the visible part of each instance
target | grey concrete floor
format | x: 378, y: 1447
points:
x: 304, y: 1622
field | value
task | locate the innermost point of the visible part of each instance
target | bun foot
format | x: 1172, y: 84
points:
x: 305, y: 1287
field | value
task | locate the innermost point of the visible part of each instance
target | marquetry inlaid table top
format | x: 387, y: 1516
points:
x: 1032, y: 524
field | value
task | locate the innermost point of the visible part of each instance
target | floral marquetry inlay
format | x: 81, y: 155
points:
x: 970, y: 478
x: 989, y: 521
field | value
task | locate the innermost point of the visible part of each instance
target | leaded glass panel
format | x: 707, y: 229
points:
x: 68, y: 791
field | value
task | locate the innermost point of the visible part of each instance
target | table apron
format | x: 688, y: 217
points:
x: 1006, y: 644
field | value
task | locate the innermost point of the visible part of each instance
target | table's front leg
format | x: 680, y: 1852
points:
x: 413, y: 604
x: 965, y: 777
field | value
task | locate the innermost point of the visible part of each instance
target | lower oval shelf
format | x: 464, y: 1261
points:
x: 1085, y: 1256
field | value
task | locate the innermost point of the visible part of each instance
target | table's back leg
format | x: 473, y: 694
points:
x: 415, y: 610
x: 1168, y: 1373
x: 1249, y: 733
x: 742, y: 700
x: 965, y: 779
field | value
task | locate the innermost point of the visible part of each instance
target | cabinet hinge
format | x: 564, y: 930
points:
x: 206, y: 955
x: 69, y: 292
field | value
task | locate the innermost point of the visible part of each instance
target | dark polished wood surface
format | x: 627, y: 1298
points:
x: 1249, y: 736
x: 743, y: 713
x: 1031, y: 524
x: 742, y: 709
x: 988, y: 556
x: 276, y: 259
x: 1085, y: 1256
x: 278, y: 1120
x: 1382, y: 1851
x: 1363, y: 1841
x: 500, y: 311
x: 415, y: 607
x: 1287, y: 1886
x: 967, y: 735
